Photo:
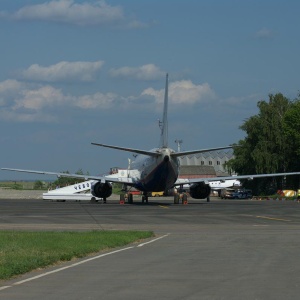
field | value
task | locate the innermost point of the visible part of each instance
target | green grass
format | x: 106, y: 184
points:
x: 21, y: 252
x: 17, y: 185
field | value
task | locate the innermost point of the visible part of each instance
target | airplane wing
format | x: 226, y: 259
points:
x: 126, y: 180
x: 180, y: 181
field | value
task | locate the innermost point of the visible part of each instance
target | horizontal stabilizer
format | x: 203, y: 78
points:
x: 138, y: 151
x: 177, y: 154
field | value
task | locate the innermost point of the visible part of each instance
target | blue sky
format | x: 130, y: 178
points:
x: 75, y: 72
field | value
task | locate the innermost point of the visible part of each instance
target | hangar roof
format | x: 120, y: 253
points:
x: 197, y: 170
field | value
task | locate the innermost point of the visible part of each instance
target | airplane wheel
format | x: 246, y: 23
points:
x: 144, y: 199
x: 130, y: 198
x: 184, y: 198
x: 176, y: 199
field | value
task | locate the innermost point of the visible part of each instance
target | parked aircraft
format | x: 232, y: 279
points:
x: 154, y: 170
x: 222, y: 184
x: 215, y: 185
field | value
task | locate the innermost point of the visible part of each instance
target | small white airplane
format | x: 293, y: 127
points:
x: 214, y: 185
x: 154, y: 170
x: 223, y: 184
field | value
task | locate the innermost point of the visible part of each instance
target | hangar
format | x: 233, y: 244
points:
x: 205, y: 165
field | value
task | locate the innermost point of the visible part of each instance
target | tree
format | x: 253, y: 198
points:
x: 65, y: 181
x: 267, y: 146
x: 292, y: 132
x: 38, y: 185
x: 292, y: 127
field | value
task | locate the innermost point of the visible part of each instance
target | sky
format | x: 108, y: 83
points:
x: 75, y: 72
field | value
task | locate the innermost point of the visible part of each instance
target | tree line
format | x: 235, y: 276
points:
x: 271, y: 145
x: 60, y: 181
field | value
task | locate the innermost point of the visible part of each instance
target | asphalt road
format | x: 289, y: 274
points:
x: 225, y: 249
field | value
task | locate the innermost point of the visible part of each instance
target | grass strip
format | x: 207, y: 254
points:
x: 21, y: 251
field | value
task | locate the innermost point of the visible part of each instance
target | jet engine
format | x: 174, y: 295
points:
x: 200, y: 190
x: 101, y: 190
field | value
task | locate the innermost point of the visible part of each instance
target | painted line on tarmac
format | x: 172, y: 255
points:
x: 162, y: 206
x: 65, y: 268
x: 79, y: 263
x: 275, y: 219
x: 161, y: 237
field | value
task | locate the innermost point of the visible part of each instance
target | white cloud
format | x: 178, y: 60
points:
x: 145, y: 72
x: 31, y: 102
x: 24, y: 117
x: 36, y: 99
x: 135, y: 24
x: 264, y: 33
x: 68, y: 11
x: 47, y: 96
x: 9, y: 89
x: 25, y: 102
x: 182, y: 92
x: 9, y: 85
x: 21, y: 102
x: 63, y: 71
x: 97, y: 100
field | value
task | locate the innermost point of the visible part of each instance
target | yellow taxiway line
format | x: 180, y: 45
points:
x: 275, y: 219
x: 162, y: 206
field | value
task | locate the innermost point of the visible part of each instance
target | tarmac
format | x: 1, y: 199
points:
x: 224, y: 249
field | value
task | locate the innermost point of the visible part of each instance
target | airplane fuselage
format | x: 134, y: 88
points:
x: 156, y: 173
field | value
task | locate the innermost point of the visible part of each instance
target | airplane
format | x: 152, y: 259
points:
x: 215, y: 186
x: 223, y: 184
x: 154, y: 170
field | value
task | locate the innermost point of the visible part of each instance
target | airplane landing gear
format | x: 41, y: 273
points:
x: 130, y: 198
x: 176, y: 198
x: 145, y: 197
x: 182, y: 196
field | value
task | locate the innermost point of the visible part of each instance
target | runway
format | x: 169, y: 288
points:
x: 225, y: 249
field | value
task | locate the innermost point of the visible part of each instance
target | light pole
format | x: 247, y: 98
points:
x: 178, y: 142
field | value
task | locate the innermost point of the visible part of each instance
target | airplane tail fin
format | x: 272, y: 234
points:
x: 164, y: 122
x: 163, y: 136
